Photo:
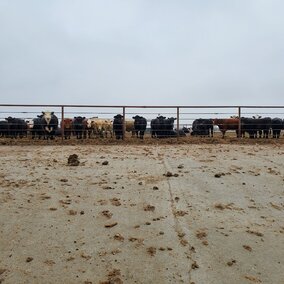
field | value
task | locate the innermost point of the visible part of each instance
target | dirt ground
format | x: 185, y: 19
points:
x: 142, y: 213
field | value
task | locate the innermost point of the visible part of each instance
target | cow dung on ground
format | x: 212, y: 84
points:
x: 73, y: 160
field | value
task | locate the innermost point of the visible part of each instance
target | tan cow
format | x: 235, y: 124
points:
x: 129, y: 126
x: 99, y: 126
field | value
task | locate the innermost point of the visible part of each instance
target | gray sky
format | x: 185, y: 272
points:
x: 228, y: 52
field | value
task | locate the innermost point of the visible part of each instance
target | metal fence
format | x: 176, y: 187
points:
x: 184, y: 115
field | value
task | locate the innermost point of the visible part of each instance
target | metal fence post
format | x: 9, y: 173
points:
x: 124, y: 124
x: 62, y: 122
x: 178, y: 122
x: 240, y: 123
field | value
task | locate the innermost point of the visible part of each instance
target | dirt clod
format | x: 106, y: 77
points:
x: 194, y: 265
x: 201, y: 234
x: 152, y: 251
x: 248, y: 248
x: 111, y: 225
x: 170, y: 174
x: 107, y: 214
x: 180, y: 213
x: 255, y: 233
x: 149, y: 208
x: 29, y: 259
x: 231, y: 262
x: 118, y: 237
x: 253, y: 279
x: 72, y: 212
x: 218, y: 175
x: 115, y: 202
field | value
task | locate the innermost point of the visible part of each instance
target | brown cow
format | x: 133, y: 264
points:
x: 225, y: 124
x: 68, y: 126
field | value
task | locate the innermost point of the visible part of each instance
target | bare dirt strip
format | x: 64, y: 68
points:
x: 162, y: 213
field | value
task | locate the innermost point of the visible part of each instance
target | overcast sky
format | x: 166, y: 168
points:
x: 142, y: 52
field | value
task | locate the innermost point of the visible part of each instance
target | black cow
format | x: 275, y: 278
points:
x: 157, y: 126
x: 17, y: 127
x: 202, y: 127
x: 49, y: 124
x: 169, y: 124
x: 248, y: 126
x: 256, y: 127
x: 263, y: 126
x: 4, y: 128
x: 162, y: 127
x: 277, y: 124
x: 37, y: 130
x: 140, y: 125
x: 80, y: 127
x: 118, y: 126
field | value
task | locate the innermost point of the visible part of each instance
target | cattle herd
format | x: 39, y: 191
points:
x: 255, y: 127
x: 47, y: 126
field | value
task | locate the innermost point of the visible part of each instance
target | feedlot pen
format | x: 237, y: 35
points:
x: 129, y: 213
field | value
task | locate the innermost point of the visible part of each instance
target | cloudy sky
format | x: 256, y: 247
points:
x: 142, y: 52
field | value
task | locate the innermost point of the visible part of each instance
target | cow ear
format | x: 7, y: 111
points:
x: 52, y: 113
x: 42, y: 112
x: 84, y: 117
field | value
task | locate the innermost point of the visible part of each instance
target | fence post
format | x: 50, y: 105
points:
x: 124, y: 124
x: 177, y: 122
x: 62, y: 122
x: 240, y: 123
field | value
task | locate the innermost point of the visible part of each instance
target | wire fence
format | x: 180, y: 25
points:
x: 184, y: 116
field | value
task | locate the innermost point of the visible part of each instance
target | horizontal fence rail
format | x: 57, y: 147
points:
x: 184, y: 116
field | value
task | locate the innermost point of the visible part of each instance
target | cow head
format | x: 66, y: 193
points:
x: 68, y: 123
x: 118, y: 116
x: 171, y: 119
x: 160, y: 117
x: 185, y: 129
x: 10, y: 119
x: 257, y: 116
x: 136, y: 117
x: 30, y: 123
x: 89, y: 122
x: 47, y: 115
x: 79, y: 119
x: 215, y: 121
